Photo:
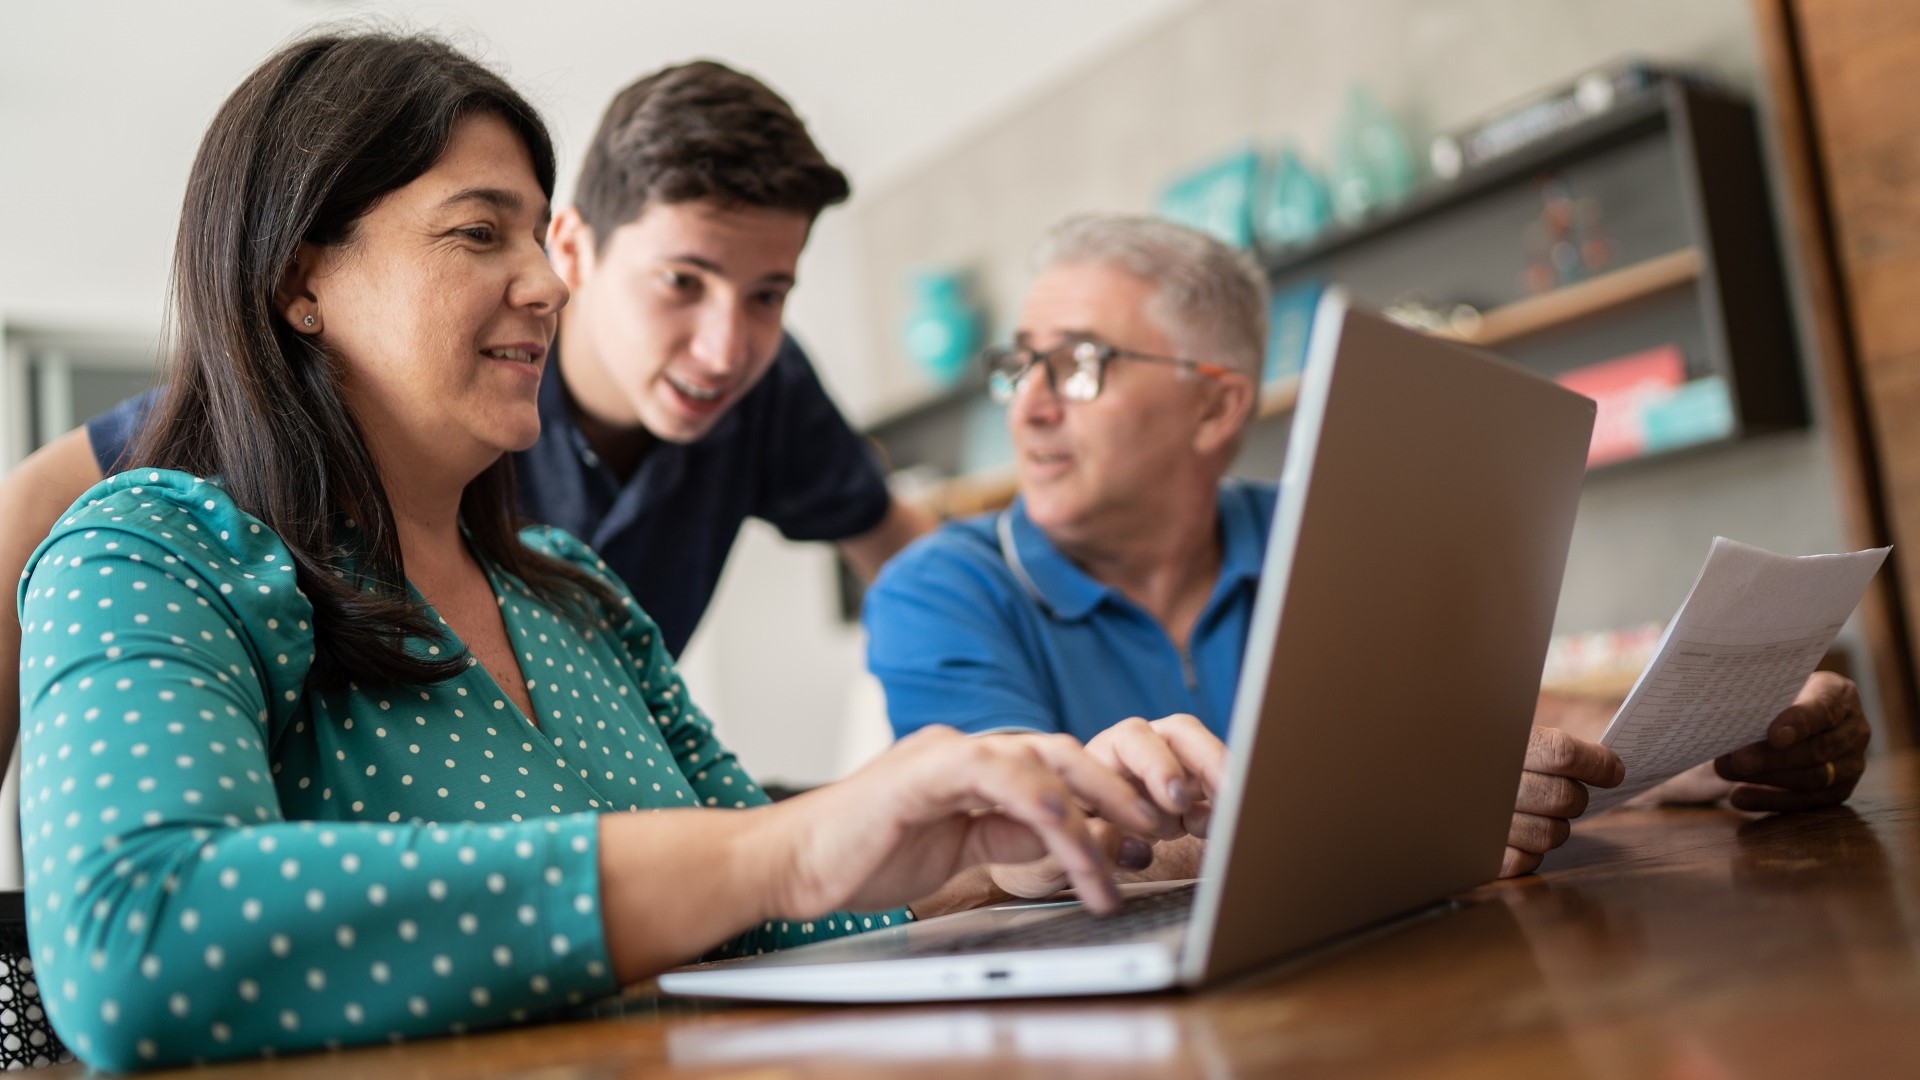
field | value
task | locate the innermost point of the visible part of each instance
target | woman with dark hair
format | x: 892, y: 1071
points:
x: 320, y: 747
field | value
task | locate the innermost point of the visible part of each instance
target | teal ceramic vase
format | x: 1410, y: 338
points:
x: 1372, y: 165
x: 1294, y: 205
x: 942, y: 328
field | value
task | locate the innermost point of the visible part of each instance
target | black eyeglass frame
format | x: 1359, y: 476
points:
x: 1008, y: 365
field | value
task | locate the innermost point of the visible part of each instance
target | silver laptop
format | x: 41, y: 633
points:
x: 1394, y: 654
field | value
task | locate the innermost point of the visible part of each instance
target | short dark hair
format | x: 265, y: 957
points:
x: 702, y: 131
x: 310, y: 141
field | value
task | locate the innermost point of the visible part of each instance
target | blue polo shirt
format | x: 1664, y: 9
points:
x: 783, y: 453
x: 985, y: 625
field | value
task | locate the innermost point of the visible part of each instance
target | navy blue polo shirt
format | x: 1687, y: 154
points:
x: 984, y: 626
x: 783, y: 453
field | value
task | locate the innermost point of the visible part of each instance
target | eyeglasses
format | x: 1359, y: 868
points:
x: 1075, y: 369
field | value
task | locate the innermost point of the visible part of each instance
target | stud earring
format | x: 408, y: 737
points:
x: 308, y: 321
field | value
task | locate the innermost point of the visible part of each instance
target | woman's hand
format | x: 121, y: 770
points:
x: 1176, y: 764
x: 937, y: 803
x: 1174, y: 761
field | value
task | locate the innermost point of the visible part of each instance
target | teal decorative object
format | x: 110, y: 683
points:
x: 1289, y: 324
x: 1217, y: 199
x: 1294, y: 204
x: 1371, y: 163
x: 1700, y: 411
x: 943, y: 328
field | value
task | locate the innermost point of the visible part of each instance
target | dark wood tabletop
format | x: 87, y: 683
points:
x: 1673, y: 943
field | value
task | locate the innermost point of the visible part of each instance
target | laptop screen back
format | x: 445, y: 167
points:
x: 1426, y: 507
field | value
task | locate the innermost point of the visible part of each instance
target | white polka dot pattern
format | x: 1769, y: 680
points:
x: 222, y: 862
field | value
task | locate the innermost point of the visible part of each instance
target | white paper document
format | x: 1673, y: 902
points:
x: 1749, y: 634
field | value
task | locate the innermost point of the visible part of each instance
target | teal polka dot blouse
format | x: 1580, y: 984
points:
x: 222, y: 863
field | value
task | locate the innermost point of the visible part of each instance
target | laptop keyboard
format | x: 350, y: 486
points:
x: 1139, y: 916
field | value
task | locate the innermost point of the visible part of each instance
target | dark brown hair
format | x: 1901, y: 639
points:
x: 702, y: 131
x: 307, y: 144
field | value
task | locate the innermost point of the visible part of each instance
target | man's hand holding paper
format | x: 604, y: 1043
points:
x: 1728, y: 675
x: 1755, y: 624
x: 1813, y: 755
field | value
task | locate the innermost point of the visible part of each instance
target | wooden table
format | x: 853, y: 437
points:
x: 1672, y: 943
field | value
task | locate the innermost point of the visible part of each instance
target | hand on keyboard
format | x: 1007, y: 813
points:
x: 935, y: 804
x: 1176, y: 764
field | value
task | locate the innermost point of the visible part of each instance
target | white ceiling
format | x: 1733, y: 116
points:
x: 102, y: 104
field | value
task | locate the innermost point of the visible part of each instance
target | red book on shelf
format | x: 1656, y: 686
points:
x: 1622, y: 388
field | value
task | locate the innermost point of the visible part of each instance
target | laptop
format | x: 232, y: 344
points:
x: 1426, y: 505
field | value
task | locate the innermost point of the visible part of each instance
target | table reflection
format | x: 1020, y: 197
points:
x: 1118, y: 1036
x: 1719, y: 965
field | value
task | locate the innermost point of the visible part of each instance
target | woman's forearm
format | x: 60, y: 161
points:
x: 676, y: 883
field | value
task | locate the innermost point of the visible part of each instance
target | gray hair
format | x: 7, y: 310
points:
x: 1208, y: 297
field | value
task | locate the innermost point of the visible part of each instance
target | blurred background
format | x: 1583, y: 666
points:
x: 1597, y: 186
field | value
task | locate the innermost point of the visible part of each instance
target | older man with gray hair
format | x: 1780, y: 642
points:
x: 1120, y: 583
x: 1128, y: 385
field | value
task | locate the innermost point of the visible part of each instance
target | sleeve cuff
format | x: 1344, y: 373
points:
x: 566, y: 961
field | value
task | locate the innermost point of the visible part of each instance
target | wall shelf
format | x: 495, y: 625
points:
x: 1632, y: 119
x: 1594, y: 296
x: 964, y: 496
x: 1277, y: 398
x: 1666, y: 196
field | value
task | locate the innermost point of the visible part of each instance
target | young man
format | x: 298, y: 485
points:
x: 1121, y: 582
x: 673, y: 404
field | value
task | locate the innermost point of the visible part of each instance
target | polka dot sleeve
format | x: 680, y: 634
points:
x: 174, y: 913
x: 715, y: 774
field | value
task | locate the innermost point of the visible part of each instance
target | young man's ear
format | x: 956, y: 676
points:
x: 295, y: 298
x: 570, y: 247
x: 1226, y: 411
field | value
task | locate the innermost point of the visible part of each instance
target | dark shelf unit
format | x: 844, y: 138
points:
x: 1677, y: 171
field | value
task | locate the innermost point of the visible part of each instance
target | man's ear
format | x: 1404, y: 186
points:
x: 1225, y: 412
x: 570, y: 247
x: 295, y: 298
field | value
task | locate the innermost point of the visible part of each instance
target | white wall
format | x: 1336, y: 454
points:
x: 102, y: 103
